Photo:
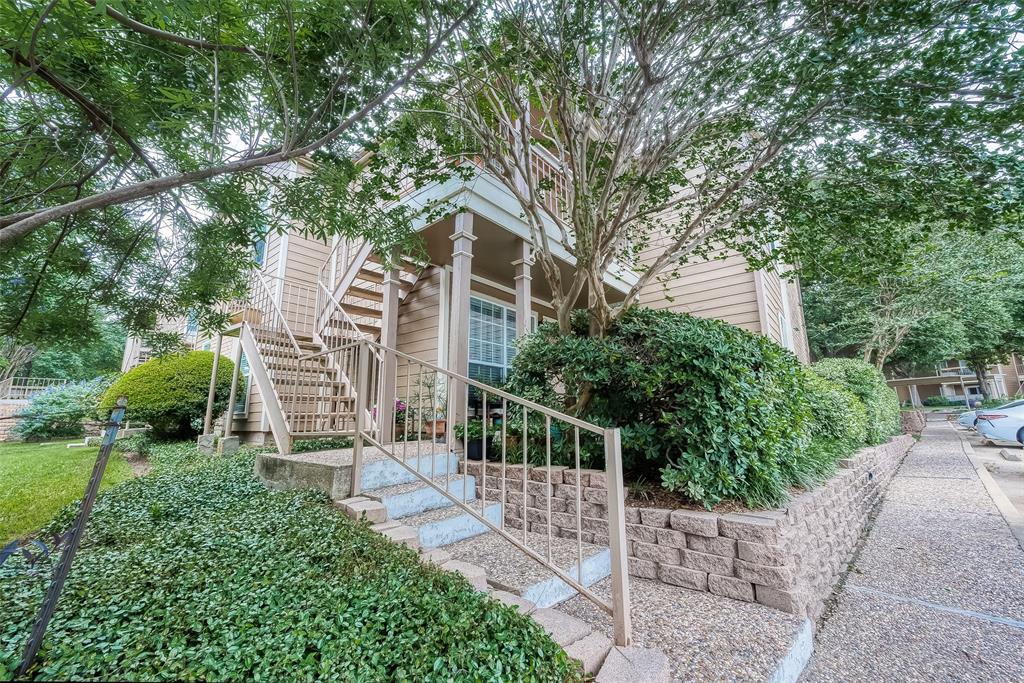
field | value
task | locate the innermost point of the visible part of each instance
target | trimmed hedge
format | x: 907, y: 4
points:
x: 941, y: 402
x: 840, y: 423
x: 716, y: 411
x: 867, y: 383
x: 198, y: 572
x: 169, y: 393
x: 60, y: 411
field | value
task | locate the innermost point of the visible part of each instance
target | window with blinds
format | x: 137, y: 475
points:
x: 492, y: 333
x: 242, y: 399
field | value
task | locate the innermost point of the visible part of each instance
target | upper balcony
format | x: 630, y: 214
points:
x: 503, y: 225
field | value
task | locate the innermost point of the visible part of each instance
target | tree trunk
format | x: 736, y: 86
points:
x: 981, y: 370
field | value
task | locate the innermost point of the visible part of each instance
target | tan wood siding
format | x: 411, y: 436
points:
x: 305, y: 256
x: 801, y: 345
x: 509, y: 298
x: 418, y: 319
x: 272, y: 253
x: 720, y: 288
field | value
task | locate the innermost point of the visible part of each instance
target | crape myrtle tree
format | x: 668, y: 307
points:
x: 684, y: 127
x: 945, y: 294
x: 145, y: 147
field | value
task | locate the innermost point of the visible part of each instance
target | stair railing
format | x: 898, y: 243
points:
x: 510, y: 431
x: 264, y: 313
x: 336, y: 275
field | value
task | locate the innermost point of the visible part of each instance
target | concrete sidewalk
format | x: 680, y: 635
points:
x: 936, y: 589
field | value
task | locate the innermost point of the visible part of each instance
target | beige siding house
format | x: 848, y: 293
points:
x: 463, y: 308
x: 956, y: 381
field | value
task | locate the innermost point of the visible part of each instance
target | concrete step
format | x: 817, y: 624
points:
x: 475, y: 574
x: 632, y: 664
x: 361, y: 507
x: 412, y: 498
x: 447, y: 525
x: 510, y: 570
x: 380, y: 471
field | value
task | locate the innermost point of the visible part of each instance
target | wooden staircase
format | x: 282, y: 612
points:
x: 307, y: 392
x: 311, y: 396
x: 358, y: 291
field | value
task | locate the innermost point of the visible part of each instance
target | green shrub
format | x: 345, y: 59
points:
x: 323, y: 444
x: 867, y: 383
x: 716, y: 411
x: 198, y: 572
x: 169, y: 393
x: 989, y: 402
x: 940, y: 402
x: 59, y: 412
x: 840, y: 424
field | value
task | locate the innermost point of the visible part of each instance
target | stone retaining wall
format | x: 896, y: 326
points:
x: 8, y: 409
x: 787, y: 558
x: 912, y: 422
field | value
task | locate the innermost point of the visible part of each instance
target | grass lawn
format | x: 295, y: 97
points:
x: 196, y: 571
x: 36, y: 481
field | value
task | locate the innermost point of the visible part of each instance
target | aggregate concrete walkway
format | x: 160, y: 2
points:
x: 936, y: 589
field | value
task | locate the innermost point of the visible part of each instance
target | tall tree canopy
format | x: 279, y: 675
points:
x: 703, y: 125
x: 944, y: 294
x: 146, y: 147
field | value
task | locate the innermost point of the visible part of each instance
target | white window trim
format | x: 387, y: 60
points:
x: 505, y: 309
x: 244, y: 412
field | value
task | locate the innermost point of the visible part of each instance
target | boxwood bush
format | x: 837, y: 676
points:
x: 169, y: 393
x: 60, y: 411
x: 867, y: 383
x: 715, y: 411
x: 198, y: 572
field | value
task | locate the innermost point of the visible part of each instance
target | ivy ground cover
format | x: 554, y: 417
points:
x: 197, y: 572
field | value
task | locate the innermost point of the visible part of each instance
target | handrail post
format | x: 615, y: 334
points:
x: 211, y: 395
x: 617, y: 537
x: 361, y: 406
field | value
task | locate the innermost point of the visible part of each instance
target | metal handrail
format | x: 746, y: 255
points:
x: 583, y: 590
x: 277, y: 311
x: 551, y: 412
x: 337, y: 307
x: 374, y: 369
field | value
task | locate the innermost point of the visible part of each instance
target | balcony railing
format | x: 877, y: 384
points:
x: 21, y: 388
x: 956, y: 372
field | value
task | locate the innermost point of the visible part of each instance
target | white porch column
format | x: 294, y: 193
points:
x: 389, y: 338
x: 458, y: 330
x: 208, y: 421
x: 523, y: 288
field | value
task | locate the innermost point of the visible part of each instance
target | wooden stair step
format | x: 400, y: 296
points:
x: 404, y: 263
x: 363, y: 293
x: 356, y: 310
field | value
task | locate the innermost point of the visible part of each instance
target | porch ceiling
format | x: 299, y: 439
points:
x: 494, y: 252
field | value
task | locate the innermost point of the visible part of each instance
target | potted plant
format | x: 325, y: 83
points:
x: 401, y: 412
x: 472, y: 435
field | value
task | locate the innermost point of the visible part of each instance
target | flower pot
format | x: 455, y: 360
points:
x: 475, y: 449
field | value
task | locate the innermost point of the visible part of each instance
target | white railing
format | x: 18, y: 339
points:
x: 956, y: 372
x: 20, y: 388
x: 546, y: 170
x: 524, y: 433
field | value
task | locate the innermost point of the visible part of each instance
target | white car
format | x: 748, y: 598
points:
x: 1005, y: 423
x: 969, y: 418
